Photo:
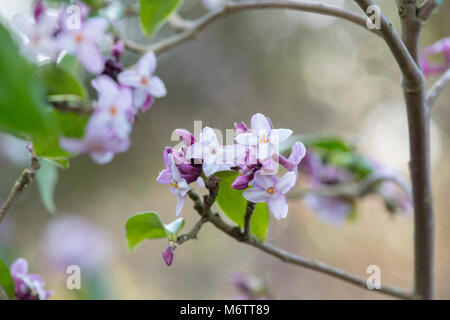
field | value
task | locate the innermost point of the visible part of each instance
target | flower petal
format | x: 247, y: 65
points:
x: 180, y: 203
x: 255, y: 195
x: 264, y: 181
x: 278, y: 206
x: 130, y: 78
x: 259, y: 123
x: 91, y: 58
x: 247, y: 139
x: 286, y: 182
x: 279, y: 135
x: 94, y: 29
x: 147, y: 64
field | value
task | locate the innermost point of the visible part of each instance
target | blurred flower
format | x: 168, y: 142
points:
x: 250, y: 287
x: 332, y: 209
x: 440, y: 47
x: 39, y: 34
x: 145, y: 84
x: 14, y: 150
x: 72, y: 240
x: 83, y: 43
x: 27, y: 286
x: 270, y: 189
x: 168, y: 255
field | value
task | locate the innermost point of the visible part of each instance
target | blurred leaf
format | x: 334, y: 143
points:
x: 47, y: 178
x: 173, y: 228
x: 22, y: 100
x: 327, y: 144
x: 154, y: 13
x: 351, y: 161
x: 143, y: 226
x: 234, y: 205
x: 70, y: 125
x: 6, y: 281
x: 61, y: 81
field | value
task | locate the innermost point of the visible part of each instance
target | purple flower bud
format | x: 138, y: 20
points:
x: 118, y: 49
x: 28, y: 286
x: 242, y: 181
x: 185, y: 136
x: 38, y: 10
x: 240, y: 127
x: 112, y: 68
x: 168, y: 255
x: 148, y: 103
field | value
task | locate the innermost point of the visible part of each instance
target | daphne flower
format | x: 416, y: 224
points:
x: 27, y: 286
x: 270, y: 189
x: 145, y: 84
x: 179, y: 186
x: 263, y: 137
x: 440, y: 47
x: 297, y: 153
x: 38, y: 34
x: 189, y: 172
x: 215, y: 157
x: 114, y: 106
x: 83, y: 43
x: 100, y: 141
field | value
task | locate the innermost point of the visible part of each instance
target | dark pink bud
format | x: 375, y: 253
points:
x: 148, y: 103
x: 118, y: 49
x: 38, y: 10
x: 240, y: 127
x: 242, y: 181
x: 168, y: 255
x: 185, y: 136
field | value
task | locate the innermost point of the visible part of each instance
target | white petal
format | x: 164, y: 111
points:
x: 156, y: 87
x: 264, y: 181
x: 130, y: 78
x: 278, y: 206
x: 286, y: 182
x: 247, y: 139
x: 147, y: 64
x: 264, y: 151
x: 24, y: 25
x: 210, y: 168
x: 255, y: 195
x: 208, y: 136
x: 279, y: 135
x: 259, y: 123
x: 140, y: 96
x: 180, y: 203
x: 95, y: 28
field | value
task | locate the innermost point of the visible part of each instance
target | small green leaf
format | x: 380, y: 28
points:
x: 173, y: 228
x: 23, y: 110
x: 47, y: 177
x: 70, y: 125
x: 143, y: 226
x: 61, y: 81
x: 234, y: 205
x: 154, y: 13
x: 6, y: 281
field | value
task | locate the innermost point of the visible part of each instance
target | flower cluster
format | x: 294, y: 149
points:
x: 337, y: 209
x: 28, y: 286
x: 121, y: 93
x: 440, y: 47
x: 254, y: 155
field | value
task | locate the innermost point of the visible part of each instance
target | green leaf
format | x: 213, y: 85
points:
x: 61, y: 80
x: 234, y: 205
x: 173, y: 228
x: 47, y: 177
x: 70, y: 125
x: 351, y: 161
x: 143, y: 226
x: 23, y: 109
x: 6, y: 281
x: 154, y: 13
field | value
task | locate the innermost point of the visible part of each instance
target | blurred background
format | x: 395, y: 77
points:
x: 310, y: 73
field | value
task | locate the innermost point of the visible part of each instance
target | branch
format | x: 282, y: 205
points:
x: 192, y: 28
x: 426, y: 9
x: 437, y: 88
x: 65, y: 106
x: 25, y: 179
x: 193, y: 233
x: 235, y: 232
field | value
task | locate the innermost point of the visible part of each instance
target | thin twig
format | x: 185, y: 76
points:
x: 426, y: 9
x: 437, y: 88
x: 192, y: 28
x: 193, y: 233
x: 25, y: 179
x: 236, y: 233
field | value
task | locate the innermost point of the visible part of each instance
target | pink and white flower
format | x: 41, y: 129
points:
x: 270, y: 189
x: 27, y: 286
x: 146, y: 85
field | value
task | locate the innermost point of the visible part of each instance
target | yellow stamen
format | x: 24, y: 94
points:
x: 271, y: 190
x: 175, y: 185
